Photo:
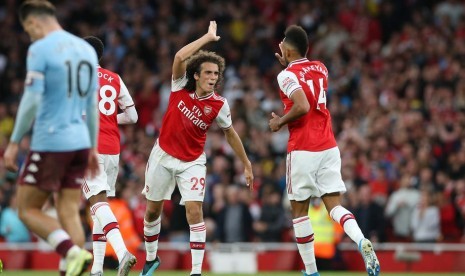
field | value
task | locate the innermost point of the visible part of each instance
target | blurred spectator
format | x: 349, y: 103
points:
x: 400, y: 207
x: 11, y: 227
x: 450, y: 227
x: 369, y: 215
x: 6, y: 121
x: 425, y: 220
x: 271, y: 224
x: 234, y: 222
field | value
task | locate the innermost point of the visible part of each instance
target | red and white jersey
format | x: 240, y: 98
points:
x: 313, y: 131
x: 112, y: 93
x: 187, y: 120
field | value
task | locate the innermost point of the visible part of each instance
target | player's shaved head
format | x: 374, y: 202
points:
x: 97, y: 44
x: 36, y: 7
x: 297, y: 38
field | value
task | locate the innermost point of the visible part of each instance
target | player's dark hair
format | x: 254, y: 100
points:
x: 297, y: 37
x: 97, y: 44
x: 36, y: 7
x: 194, y: 65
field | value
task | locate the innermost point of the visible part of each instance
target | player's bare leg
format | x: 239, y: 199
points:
x: 106, y: 228
x: 152, y: 226
x: 347, y: 220
x: 198, y: 234
x: 76, y: 233
x: 30, y: 202
x: 67, y: 205
x: 304, y: 235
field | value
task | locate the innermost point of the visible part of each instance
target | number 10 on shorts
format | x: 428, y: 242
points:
x: 198, y: 183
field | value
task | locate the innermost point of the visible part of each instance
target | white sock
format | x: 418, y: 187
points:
x: 198, y: 234
x: 304, y: 236
x: 151, y: 234
x: 60, y: 242
x: 347, y: 220
x: 62, y: 265
x: 110, y: 227
x: 99, y: 244
x: 56, y: 237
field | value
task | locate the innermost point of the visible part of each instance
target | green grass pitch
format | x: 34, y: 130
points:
x: 178, y: 273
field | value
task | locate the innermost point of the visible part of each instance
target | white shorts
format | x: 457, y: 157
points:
x: 313, y: 174
x: 164, y: 171
x: 106, y: 179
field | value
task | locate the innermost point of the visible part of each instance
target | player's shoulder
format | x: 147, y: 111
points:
x: 286, y: 73
x: 218, y: 97
x: 40, y: 44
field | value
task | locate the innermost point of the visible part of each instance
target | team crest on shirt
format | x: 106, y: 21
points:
x: 207, y: 109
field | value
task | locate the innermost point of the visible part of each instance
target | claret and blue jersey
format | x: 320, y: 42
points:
x: 61, y: 68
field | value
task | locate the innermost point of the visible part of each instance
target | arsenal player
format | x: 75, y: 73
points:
x: 112, y: 94
x: 313, y: 159
x: 178, y: 157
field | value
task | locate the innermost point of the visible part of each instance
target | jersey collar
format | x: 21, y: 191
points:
x: 297, y: 61
x: 203, y: 97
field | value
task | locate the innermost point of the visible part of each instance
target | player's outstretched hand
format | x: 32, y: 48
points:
x: 212, y: 31
x: 248, y: 176
x: 275, y: 122
x: 280, y: 57
x: 92, y: 165
x: 10, y: 155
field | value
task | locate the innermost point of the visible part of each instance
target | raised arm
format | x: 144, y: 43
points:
x: 179, y: 63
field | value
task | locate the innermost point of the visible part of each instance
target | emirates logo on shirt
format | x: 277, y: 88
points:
x: 207, y: 109
x: 193, y: 115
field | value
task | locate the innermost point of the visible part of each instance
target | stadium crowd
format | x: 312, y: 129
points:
x: 396, y: 94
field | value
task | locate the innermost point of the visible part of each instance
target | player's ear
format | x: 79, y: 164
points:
x: 196, y: 76
x: 287, y: 52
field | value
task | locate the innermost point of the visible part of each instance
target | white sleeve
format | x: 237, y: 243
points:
x: 223, y: 119
x: 178, y: 84
x: 129, y: 116
x: 124, y: 99
x: 288, y: 83
x: 126, y: 103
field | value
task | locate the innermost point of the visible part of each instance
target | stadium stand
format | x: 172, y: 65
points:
x: 396, y: 93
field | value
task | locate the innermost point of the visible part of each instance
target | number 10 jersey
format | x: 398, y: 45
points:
x: 61, y: 69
